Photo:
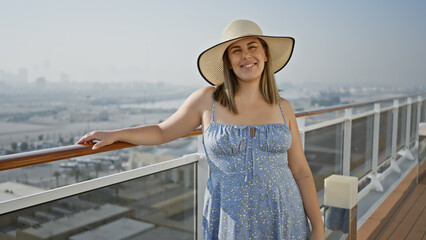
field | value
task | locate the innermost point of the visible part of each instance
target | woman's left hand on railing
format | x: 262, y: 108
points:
x: 98, y: 138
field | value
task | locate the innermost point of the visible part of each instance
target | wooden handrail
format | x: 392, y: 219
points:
x: 60, y: 153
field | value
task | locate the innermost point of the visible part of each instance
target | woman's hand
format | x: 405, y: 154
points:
x: 102, y: 138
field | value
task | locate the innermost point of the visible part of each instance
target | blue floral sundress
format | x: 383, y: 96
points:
x: 251, y: 192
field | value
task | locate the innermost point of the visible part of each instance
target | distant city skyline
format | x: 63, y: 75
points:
x: 344, y: 43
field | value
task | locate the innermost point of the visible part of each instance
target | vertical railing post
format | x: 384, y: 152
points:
x: 375, y: 182
x: 376, y: 133
x: 301, y: 126
x: 421, y: 150
x: 347, y: 135
x: 419, y: 114
x: 202, y: 176
x: 408, y: 124
x: 394, y: 165
x: 418, y: 132
x: 407, y: 152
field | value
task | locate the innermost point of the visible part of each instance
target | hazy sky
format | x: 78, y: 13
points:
x: 352, y: 43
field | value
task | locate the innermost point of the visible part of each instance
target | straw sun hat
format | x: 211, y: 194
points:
x: 210, y: 62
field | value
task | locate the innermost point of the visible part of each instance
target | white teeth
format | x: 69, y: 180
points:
x: 249, y: 65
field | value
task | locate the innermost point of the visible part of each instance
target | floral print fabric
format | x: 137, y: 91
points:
x: 251, y: 192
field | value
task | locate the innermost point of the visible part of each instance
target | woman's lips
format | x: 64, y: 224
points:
x: 249, y: 65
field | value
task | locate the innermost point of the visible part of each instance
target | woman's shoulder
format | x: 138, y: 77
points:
x: 202, y: 97
x: 206, y: 91
x: 287, y: 108
x: 286, y: 104
x: 203, y: 93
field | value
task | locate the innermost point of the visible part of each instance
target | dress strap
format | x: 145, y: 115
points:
x: 212, y: 120
x: 282, y: 112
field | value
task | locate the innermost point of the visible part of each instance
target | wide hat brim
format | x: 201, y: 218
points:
x: 210, y: 63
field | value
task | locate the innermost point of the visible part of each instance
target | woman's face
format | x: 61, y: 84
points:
x: 247, y: 59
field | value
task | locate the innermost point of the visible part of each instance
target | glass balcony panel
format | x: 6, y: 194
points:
x: 324, y: 152
x: 385, y: 135
x: 402, y: 119
x: 362, y: 109
x: 422, y: 149
x: 361, y: 146
x: 314, y: 119
x: 65, y: 172
x: 402, y: 100
x: 413, y: 126
x: 157, y: 206
x: 386, y: 104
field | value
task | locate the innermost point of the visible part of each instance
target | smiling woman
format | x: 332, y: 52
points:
x: 247, y: 58
x: 260, y: 185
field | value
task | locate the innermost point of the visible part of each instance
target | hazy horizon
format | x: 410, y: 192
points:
x: 343, y: 43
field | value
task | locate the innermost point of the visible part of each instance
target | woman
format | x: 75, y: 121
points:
x: 260, y: 185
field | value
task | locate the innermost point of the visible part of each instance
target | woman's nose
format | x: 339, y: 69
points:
x: 245, y: 54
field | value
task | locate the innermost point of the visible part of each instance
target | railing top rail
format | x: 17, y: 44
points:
x: 60, y: 153
x: 346, y: 106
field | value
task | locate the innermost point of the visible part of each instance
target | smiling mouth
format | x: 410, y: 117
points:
x: 248, y: 65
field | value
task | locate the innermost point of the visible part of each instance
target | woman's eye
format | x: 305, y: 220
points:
x: 236, y: 51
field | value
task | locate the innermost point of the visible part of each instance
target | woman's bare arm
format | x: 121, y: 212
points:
x: 303, y: 176
x: 185, y: 119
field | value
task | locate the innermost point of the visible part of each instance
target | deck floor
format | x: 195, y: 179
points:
x: 402, y: 215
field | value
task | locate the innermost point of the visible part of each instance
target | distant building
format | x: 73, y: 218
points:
x: 140, y: 159
x: 2, y: 151
x: 63, y: 228
x: 121, y: 229
x: 22, y: 75
x: 91, y: 116
x: 2, y: 76
x: 14, y: 79
x: 41, y: 81
x: 64, y: 78
x: 11, y: 190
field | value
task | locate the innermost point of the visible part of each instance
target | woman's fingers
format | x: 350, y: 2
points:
x: 83, y: 140
x: 98, y: 145
x: 88, y: 138
x: 95, y: 146
x: 97, y: 138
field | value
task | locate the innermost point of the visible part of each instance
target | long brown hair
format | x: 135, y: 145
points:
x: 225, y: 92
